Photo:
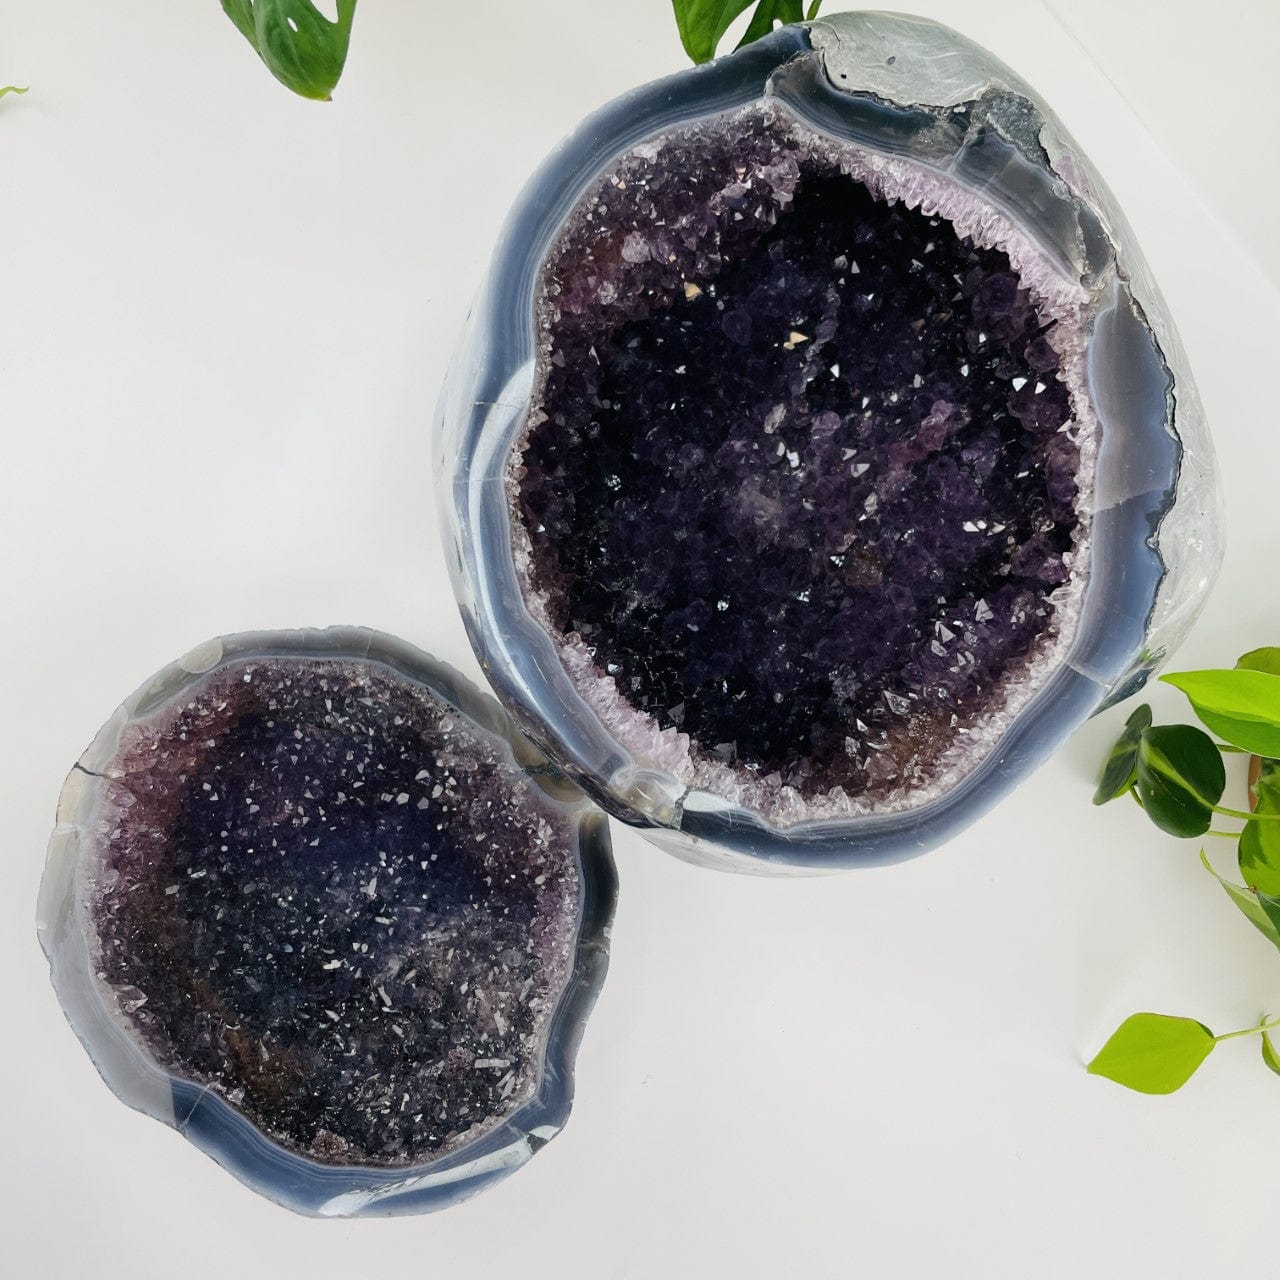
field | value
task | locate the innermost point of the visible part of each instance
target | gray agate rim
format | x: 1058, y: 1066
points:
x: 883, y: 81
x: 201, y: 1115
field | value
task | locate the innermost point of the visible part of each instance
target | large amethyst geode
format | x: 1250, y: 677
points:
x: 305, y: 904
x: 799, y: 491
x: 821, y: 453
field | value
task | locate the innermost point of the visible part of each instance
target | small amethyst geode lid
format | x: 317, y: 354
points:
x: 820, y: 452
x: 313, y: 902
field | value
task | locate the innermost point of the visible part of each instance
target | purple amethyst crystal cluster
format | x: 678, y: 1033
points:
x: 821, y: 452
x: 801, y: 471
x: 799, y: 487
x: 327, y: 898
x: 350, y: 939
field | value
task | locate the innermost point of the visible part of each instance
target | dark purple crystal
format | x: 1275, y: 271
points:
x: 797, y: 474
x: 325, y: 894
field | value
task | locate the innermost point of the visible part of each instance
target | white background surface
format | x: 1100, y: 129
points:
x: 224, y: 321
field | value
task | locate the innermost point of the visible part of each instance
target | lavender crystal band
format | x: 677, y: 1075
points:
x: 976, y: 126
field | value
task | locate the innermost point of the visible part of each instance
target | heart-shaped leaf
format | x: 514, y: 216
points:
x: 1240, y: 705
x: 1180, y: 776
x: 1154, y: 1053
x: 1270, y: 906
x: 1260, y: 841
x: 1250, y: 905
x: 1269, y: 1053
x: 1120, y: 771
x: 1267, y: 660
x: 300, y: 46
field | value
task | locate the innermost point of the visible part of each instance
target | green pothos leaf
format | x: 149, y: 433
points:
x: 1266, y: 659
x: 1270, y: 905
x: 1120, y: 771
x: 1241, y: 704
x: 1269, y: 1055
x: 1180, y: 777
x: 1260, y: 840
x: 1262, y: 913
x: 301, y: 47
x: 1154, y: 1053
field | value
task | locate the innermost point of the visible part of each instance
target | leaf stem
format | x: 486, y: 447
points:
x: 1230, y: 813
x: 1244, y: 817
x: 1264, y: 1025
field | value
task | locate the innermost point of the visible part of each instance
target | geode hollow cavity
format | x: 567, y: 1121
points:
x: 304, y: 904
x: 821, y: 452
x: 815, y: 511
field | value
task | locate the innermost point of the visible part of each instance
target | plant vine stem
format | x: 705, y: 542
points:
x: 1245, y: 817
x: 1249, y: 1031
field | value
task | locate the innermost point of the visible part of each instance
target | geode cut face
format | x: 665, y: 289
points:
x: 799, y: 492
x: 315, y: 889
x: 821, y: 453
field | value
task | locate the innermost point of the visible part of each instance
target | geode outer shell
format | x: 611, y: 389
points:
x: 940, y: 135
x: 304, y: 884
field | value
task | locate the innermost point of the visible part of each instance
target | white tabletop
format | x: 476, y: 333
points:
x: 225, y: 317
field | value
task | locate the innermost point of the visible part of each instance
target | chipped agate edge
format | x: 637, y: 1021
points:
x: 203, y: 1116
x: 1155, y: 513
